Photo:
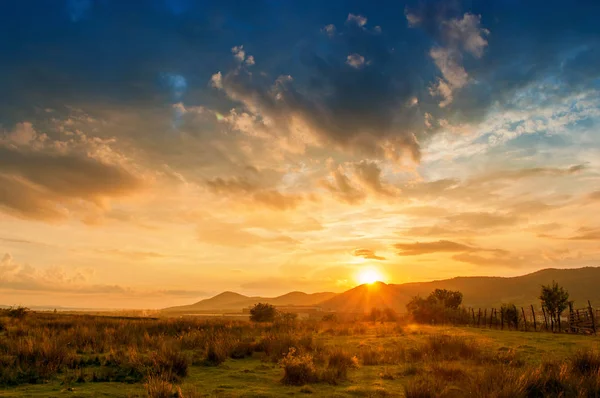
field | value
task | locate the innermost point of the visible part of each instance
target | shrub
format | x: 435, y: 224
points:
x: 169, y: 363
x: 16, y: 312
x: 242, y: 350
x: 216, y: 353
x: 298, y: 369
x: 262, y: 312
x: 338, y: 365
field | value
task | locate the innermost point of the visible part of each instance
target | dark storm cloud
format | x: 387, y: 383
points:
x: 364, y: 75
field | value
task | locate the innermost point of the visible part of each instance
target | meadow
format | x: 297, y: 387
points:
x: 45, y: 355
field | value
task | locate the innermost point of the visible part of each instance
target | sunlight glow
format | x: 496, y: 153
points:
x: 369, y: 275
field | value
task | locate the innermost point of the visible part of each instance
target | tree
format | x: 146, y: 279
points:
x: 511, y: 315
x: 263, y: 312
x: 555, y: 299
x: 440, y: 306
x: 449, y: 298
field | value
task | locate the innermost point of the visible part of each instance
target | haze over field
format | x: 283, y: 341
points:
x: 156, y: 153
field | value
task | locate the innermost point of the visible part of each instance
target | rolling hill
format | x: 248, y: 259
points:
x: 230, y: 301
x: 582, y: 283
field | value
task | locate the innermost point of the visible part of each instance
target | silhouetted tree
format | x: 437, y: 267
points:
x: 440, y: 306
x: 263, y: 312
x: 555, y: 299
x: 511, y: 315
x: 450, y: 299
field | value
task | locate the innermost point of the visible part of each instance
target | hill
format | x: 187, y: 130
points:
x: 479, y: 291
x: 235, y: 302
x: 582, y: 283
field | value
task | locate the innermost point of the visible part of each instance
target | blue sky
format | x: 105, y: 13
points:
x: 146, y: 147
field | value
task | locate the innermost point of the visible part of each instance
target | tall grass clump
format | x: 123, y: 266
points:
x: 156, y: 387
x: 338, y: 365
x: 298, y: 369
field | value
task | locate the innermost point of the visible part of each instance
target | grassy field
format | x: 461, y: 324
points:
x: 49, y: 355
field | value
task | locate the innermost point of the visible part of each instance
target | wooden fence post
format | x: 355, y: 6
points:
x: 502, y: 318
x: 491, y: 314
x: 478, y: 317
x: 484, y: 317
x: 592, y: 316
x: 571, y: 326
x: 473, y: 313
x: 534, y: 321
x: 545, y: 319
x: 524, y: 319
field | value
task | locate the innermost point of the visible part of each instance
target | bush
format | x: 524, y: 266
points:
x: 242, y: 350
x: 298, y: 369
x: 216, y: 353
x: 263, y: 313
x: 170, y: 364
x: 338, y: 365
x: 16, y: 312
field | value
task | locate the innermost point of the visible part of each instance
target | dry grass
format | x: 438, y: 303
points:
x: 315, y: 356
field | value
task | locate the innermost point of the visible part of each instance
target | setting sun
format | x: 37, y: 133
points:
x: 369, y: 276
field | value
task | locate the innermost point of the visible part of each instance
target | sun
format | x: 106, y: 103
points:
x: 369, y: 276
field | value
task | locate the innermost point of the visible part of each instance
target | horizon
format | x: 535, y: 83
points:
x: 155, y: 153
x: 50, y: 307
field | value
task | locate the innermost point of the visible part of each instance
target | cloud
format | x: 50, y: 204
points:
x: 494, y: 259
x: 356, y: 61
x: 232, y: 234
x: 481, y: 220
x: 458, y: 36
x: 364, y: 112
x: 454, y: 75
x: 441, y: 246
x: 239, y: 53
x: 359, y: 20
x: 467, y: 33
x: 594, y: 196
x: 587, y: 234
x: 135, y: 255
x: 329, y: 30
x: 253, y: 191
x: 18, y: 277
x: 369, y: 174
x: 40, y: 178
x: 339, y: 184
x: 367, y: 254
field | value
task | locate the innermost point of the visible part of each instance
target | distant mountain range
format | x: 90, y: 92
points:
x: 485, y: 292
x: 235, y: 302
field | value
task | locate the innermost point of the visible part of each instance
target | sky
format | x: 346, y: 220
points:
x: 153, y: 153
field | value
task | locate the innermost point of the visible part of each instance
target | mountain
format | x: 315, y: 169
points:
x: 230, y: 301
x: 582, y: 284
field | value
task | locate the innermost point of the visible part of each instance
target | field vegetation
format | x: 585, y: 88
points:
x: 45, y: 354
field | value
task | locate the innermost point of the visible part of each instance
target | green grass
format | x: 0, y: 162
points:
x: 257, y: 376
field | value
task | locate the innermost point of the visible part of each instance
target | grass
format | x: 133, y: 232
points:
x: 54, y: 355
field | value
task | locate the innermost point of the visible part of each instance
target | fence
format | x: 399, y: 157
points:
x: 579, y: 320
